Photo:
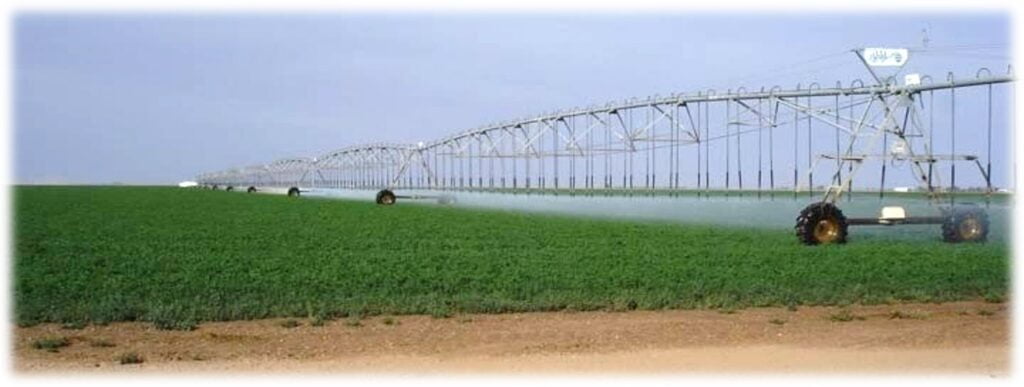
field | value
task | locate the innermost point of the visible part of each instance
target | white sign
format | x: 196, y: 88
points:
x: 886, y: 56
x: 912, y: 79
x: 899, y: 149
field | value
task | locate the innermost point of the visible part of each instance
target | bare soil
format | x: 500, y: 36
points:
x: 961, y: 337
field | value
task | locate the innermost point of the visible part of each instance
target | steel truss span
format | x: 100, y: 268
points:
x: 704, y: 141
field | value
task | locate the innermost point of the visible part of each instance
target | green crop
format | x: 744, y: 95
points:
x: 176, y: 257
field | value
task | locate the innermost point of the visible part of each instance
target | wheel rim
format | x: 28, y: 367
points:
x: 826, y: 230
x: 970, y: 229
x: 388, y: 199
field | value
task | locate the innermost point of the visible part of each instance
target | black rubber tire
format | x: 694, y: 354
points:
x: 445, y: 199
x: 229, y: 188
x: 385, y: 197
x: 294, y: 192
x: 214, y: 187
x: 813, y: 214
x: 951, y: 227
x: 250, y: 190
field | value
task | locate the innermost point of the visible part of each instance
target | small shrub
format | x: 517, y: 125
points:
x: 102, y: 343
x: 51, y: 344
x: 844, y: 315
x: 130, y: 358
x: 353, y: 321
x: 898, y: 315
x: 290, y: 323
x: 791, y: 307
x: 389, y: 321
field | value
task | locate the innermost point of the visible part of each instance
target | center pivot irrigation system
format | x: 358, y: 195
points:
x: 596, y: 149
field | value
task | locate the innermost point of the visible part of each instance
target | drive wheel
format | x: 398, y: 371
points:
x: 294, y: 192
x: 251, y: 190
x: 821, y: 223
x: 965, y: 224
x: 385, y: 197
x: 229, y: 188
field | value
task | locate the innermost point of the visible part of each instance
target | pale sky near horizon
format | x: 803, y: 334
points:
x: 159, y: 98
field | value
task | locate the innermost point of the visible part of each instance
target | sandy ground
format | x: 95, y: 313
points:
x: 951, y: 338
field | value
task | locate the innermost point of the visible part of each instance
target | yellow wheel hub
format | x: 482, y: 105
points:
x: 826, y: 231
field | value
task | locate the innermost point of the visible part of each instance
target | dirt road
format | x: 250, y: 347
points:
x: 964, y: 337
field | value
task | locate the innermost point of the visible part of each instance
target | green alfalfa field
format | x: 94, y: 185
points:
x: 178, y: 257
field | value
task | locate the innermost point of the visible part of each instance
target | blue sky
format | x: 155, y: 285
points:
x: 156, y: 99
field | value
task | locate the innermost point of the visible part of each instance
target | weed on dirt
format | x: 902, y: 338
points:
x: 130, y: 358
x: 51, y: 344
x: 845, y: 315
